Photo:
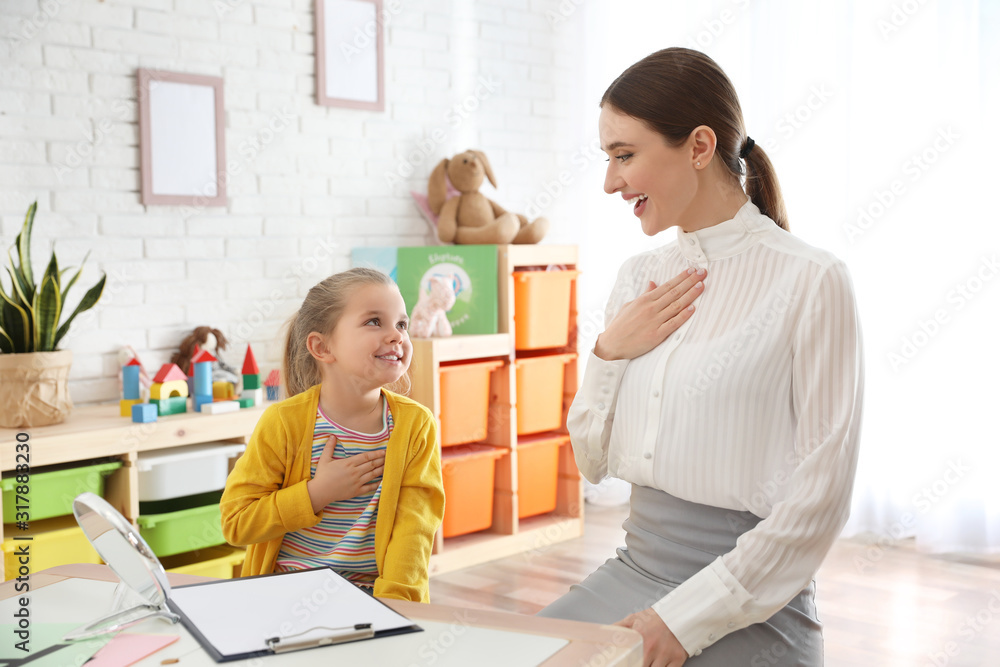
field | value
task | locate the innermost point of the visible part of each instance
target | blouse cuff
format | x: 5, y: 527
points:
x: 705, y: 608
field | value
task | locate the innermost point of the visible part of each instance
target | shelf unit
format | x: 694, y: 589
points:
x: 96, y: 432
x: 508, y: 535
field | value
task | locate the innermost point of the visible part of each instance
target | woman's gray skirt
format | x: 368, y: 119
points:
x: 668, y: 540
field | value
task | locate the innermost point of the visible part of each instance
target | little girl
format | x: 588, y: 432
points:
x: 342, y: 473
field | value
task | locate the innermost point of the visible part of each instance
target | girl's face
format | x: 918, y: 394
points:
x: 658, y: 181
x: 370, y: 343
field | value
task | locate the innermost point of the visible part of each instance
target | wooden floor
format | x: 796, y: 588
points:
x: 883, y: 607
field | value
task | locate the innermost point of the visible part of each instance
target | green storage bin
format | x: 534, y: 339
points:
x: 52, y: 489
x: 182, y: 524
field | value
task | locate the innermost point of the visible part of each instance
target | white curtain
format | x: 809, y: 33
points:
x: 881, y: 120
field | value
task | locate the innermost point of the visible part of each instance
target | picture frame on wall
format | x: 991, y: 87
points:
x: 350, y: 54
x: 182, y: 139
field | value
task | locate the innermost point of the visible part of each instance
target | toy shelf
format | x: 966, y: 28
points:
x: 92, y: 432
x: 508, y: 534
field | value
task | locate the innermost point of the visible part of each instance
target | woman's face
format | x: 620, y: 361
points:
x: 658, y: 181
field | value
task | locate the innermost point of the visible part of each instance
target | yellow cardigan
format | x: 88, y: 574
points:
x: 266, y: 493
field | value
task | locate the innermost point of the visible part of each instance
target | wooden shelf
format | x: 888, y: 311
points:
x: 508, y: 535
x: 461, y: 348
x: 100, y: 431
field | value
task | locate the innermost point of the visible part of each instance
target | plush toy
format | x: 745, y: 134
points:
x: 205, y: 338
x: 430, y: 314
x: 471, y: 217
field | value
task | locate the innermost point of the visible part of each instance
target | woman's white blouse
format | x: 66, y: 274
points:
x: 754, y: 404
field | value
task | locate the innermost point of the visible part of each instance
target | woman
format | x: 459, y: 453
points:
x: 733, y: 408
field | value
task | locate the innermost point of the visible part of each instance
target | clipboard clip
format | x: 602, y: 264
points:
x: 347, y: 633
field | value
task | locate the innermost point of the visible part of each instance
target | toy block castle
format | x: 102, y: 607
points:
x: 169, y: 391
x: 131, y: 394
x: 202, y: 364
x: 253, y: 393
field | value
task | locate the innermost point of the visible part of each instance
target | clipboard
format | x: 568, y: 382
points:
x: 251, y: 617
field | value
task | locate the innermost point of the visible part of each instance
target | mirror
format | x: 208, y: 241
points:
x: 120, y: 546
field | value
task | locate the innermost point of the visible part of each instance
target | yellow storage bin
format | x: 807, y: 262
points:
x: 468, y: 473
x: 540, y: 386
x: 465, y: 401
x: 542, y: 308
x: 538, y: 474
x: 58, y: 541
x: 217, y: 562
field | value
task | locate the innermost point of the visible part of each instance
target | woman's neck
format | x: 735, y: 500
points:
x: 350, y: 407
x: 717, y: 202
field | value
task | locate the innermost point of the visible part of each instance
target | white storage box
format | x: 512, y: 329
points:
x: 185, y: 471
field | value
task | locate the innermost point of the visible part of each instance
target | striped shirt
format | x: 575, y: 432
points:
x: 344, y: 538
x: 754, y: 404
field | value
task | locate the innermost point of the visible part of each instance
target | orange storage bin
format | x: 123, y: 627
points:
x: 541, y: 308
x: 468, y: 473
x: 538, y: 474
x: 540, y: 392
x: 465, y: 401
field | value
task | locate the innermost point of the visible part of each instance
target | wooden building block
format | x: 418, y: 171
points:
x: 125, y: 405
x: 144, y: 413
x: 201, y: 400
x: 174, y: 405
x: 256, y: 394
x: 160, y: 390
x: 218, y: 407
x: 223, y: 390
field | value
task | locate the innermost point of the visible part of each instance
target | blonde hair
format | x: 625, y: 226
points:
x: 321, y: 310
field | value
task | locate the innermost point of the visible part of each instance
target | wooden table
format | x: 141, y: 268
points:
x: 589, y: 644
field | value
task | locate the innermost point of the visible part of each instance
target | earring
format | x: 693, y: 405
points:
x: 698, y: 163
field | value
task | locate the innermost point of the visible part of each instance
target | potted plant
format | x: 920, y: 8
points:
x: 33, y: 371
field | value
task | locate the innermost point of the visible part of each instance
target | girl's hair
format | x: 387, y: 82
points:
x: 675, y: 90
x: 321, y: 310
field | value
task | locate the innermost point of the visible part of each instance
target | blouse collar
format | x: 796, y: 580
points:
x: 724, y: 239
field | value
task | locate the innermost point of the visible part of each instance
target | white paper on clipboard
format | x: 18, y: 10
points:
x: 238, y: 616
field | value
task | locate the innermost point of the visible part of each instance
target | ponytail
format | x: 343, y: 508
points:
x: 298, y: 368
x: 762, y: 186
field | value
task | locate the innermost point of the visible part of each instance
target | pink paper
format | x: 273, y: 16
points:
x: 126, y: 649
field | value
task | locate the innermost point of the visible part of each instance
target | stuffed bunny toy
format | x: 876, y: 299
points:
x: 471, y: 217
x: 430, y: 314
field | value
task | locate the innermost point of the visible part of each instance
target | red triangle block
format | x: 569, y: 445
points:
x: 169, y: 372
x: 250, y: 363
x: 203, y: 355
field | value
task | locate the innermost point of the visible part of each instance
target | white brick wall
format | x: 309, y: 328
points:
x: 460, y: 74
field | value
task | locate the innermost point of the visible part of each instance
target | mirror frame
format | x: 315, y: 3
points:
x: 155, y: 605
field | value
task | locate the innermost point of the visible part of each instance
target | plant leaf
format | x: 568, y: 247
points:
x: 22, y: 288
x: 16, y: 323
x: 24, y: 244
x: 86, y: 303
x: 52, y: 270
x: 26, y: 311
x: 48, y: 308
x: 75, y: 276
x: 6, y: 344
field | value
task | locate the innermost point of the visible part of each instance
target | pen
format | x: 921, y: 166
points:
x: 341, y: 635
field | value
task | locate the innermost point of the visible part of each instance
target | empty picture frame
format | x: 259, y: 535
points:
x: 350, y: 65
x: 182, y: 139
